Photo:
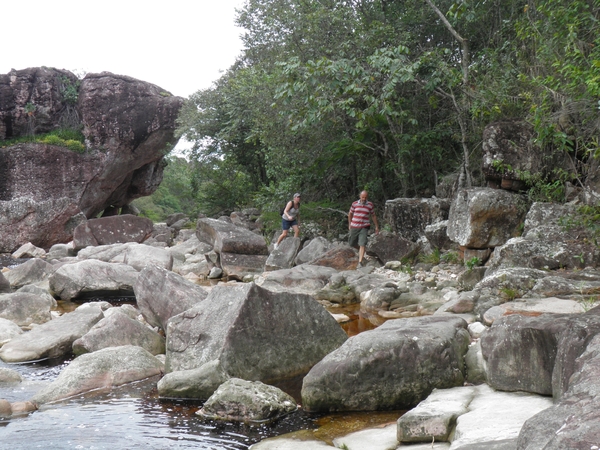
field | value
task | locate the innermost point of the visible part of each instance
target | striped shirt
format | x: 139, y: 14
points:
x: 360, y: 214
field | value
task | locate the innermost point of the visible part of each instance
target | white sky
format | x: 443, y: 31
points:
x: 179, y: 45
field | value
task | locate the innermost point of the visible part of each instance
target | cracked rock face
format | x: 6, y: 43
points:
x: 128, y: 127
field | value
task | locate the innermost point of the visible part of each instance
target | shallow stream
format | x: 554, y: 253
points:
x: 133, y: 417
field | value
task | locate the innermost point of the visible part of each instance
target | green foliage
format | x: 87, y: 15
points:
x: 509, y: 293
x: 451, y: 257
x: 588, y: 302
x: 431, y: 258
x: 472, y: 262
x: 71, y: 139
x: 176, y: 193
x: 30, y: 108
x: 330, y: 98
x: 586, y: 217
x: 69, y: 90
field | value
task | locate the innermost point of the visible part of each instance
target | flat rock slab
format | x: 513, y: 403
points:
x: 373, y: 438
x: 306, y: 279
x: 112, y: 230
x: 52, y: 339
x: 283, y: 443
x: 533, y: 307
x: 496, y: 416
x: 435, y: 417
x: 369, y: 439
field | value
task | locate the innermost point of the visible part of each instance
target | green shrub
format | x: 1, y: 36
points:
x: 472, y: 262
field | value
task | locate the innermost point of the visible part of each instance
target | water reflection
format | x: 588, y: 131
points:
x: 359, y: 320
x: 126, y: 417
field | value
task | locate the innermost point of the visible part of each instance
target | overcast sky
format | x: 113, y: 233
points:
x: 179, y: 45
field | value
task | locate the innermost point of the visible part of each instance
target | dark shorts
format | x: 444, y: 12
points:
x: 287, y: 224
x: 358, y: 235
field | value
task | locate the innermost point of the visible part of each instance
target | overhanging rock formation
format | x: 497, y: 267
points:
x: 46, y: 190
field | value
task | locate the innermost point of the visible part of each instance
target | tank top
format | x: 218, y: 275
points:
x: 292, y: 212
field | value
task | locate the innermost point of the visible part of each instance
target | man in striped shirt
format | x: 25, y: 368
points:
x: 359, y: 223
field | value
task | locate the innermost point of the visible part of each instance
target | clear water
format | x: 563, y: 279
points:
x: 128, y: 417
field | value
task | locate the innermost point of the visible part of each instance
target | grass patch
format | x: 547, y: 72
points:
x: 68, y: 138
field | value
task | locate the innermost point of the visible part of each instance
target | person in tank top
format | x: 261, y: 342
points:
x: 290, y: 219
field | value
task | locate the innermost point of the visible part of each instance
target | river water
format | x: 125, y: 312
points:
x: 133, y: 417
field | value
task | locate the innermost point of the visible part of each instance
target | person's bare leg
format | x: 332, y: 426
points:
x: 296, y: 231
x: 361, y: 254
x: 281, y: 237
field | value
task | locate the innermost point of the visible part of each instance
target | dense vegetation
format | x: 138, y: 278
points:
x: 333, y: 96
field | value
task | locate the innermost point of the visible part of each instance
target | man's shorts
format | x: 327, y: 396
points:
x: 358, y: 235
x: 287, y: 224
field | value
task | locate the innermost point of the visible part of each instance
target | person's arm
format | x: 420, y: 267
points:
x: 350, y: 214
x: 375, y: 221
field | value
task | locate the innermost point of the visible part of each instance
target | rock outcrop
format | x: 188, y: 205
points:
x: 47, y: 190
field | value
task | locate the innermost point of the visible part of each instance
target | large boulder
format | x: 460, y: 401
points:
x: 548, y: 244
x: 312, y: 250
x: 162, y: 294
x: 413, y: 356
x: 53, y: 339
x: 283, y: 257
x: 229, y: 238
x: 139, y: 256
x: 240, y: 251
x: 119, y: 329
x: 409, y: 217
x: 573, y: 421
x: 256, y: 334
x: 391, y: 247
x: 92, y: 278
x: 47, y: 190
x: 8, y: 330
x: 341, y: 257
x: 509, y: 154
x: 30, y: 272
x: 237, y: 265
x: 574, y: 341
x: 25, y: 309
x: 247, y: 401
x: 114, y: 253
x: 197, y: 384
x: 434, y: 418
x: 112, y: 230
x: 520, y: 352
x: 437, y: 235
x: 485, y: 218
x: 101, y: 370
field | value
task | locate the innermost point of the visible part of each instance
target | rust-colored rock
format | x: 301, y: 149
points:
x: 339, y: 258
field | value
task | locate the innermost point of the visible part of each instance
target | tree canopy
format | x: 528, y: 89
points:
x: 330, y: 97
